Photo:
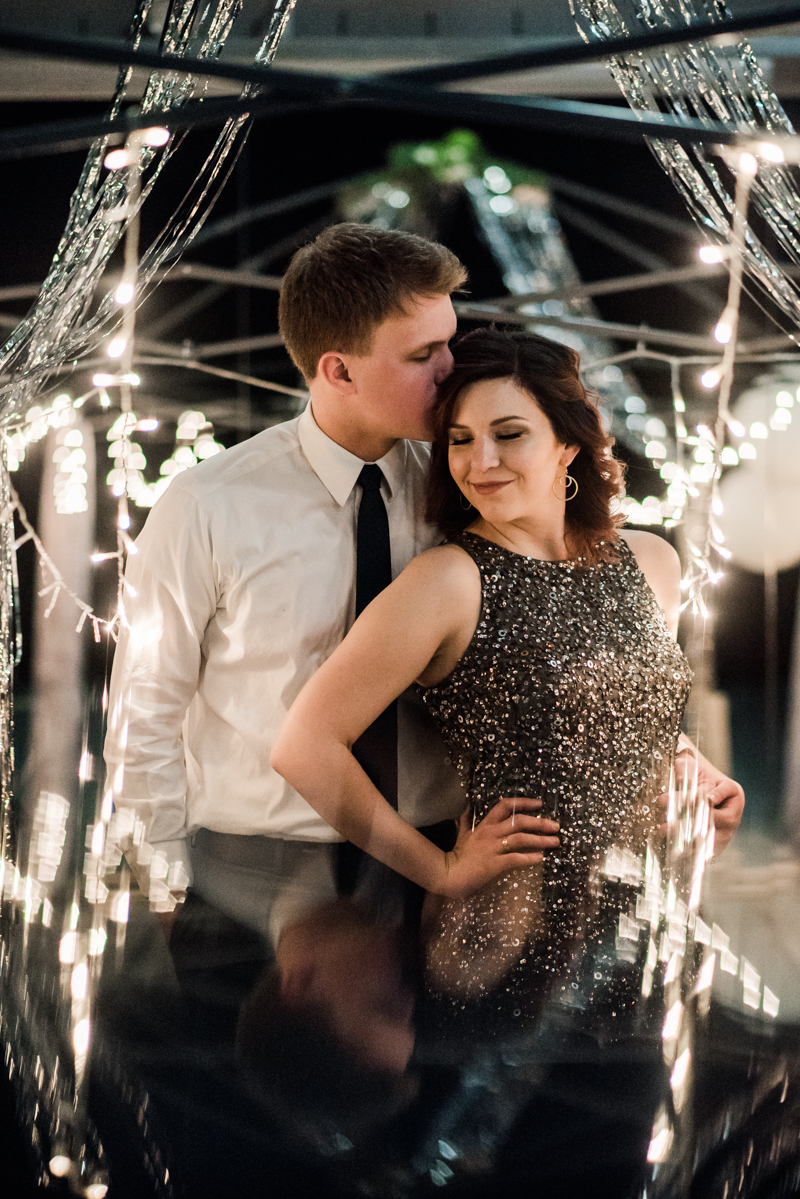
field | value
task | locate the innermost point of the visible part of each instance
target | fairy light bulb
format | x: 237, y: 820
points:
x: 712, y: 254
x: 124, y: 293
x: 748, y: 163
x: 80, y: 1037
x: 117, y: 159
x: 116, y: 347
x: 79, y: 983
x: 157, y: 136
x: 771, y: 152
x: 723, y: 330
x: 710, y: 378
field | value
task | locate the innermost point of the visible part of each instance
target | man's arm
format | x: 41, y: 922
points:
x: 724, y: 795
x: 170, y: 598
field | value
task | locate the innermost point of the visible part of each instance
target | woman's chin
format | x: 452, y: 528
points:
x: 493, y: 509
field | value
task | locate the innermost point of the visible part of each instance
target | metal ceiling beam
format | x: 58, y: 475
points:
x: 78, y: 133
x: 569, y: 53
x: 260, y: 212
x: 282, y: 90
x: 623, y: 245
x: 206, y: 295
x: 577, y: 118
x: 215, y: 274
x: 593, y: 326
x: 610, y: 287
x: 108, y: 50
x: 626, y: 208
x: 211, y: 349
x: 20, y: 291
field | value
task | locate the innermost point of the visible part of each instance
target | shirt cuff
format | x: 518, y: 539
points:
x: 162, y: 871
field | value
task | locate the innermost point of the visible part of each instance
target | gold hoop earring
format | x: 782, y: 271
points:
x: 568, y: 482
x: 461, y: 498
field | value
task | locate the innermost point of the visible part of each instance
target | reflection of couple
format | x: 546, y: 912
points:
x: 541, y: 638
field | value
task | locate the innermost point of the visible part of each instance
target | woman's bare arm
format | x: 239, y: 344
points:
x: 660, y: 565
x: 419, y: 625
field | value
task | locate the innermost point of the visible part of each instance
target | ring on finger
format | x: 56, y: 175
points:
x: 504, y: 843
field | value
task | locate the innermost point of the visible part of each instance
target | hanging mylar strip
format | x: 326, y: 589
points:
x: 64, y: 322
x: 707, y: 81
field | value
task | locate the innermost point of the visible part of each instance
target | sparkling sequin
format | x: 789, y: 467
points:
x: 572, y: 690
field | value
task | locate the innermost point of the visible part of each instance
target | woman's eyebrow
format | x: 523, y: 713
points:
x: 501, y: 420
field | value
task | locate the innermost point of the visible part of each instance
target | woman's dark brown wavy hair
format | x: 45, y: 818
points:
x: 550, y: 373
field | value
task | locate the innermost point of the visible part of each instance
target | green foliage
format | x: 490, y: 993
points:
x: 458, y: 156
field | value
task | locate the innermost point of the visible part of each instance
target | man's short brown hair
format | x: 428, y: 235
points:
x: 340, y: 287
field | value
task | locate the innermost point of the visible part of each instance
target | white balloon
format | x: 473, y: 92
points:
x: 761, y: 497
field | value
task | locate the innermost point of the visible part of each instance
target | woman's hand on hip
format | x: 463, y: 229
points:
x: 509, y: 837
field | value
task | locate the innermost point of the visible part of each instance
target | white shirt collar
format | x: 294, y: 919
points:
x: 337, y: 468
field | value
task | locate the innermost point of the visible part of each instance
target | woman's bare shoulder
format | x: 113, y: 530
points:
x: 651, y: 551
x: 443, y: 566
x: 661, y: 567
x: 442, y: 583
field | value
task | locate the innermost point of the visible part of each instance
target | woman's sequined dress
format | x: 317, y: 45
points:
x: 571, y: 690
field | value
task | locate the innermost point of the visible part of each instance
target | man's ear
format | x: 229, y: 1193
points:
x: 296, y: 980
x: 332, y: 367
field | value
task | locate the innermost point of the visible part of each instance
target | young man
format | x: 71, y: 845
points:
x: 245, y: 582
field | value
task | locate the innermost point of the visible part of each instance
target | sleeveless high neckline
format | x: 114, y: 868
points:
x: 570, y: 563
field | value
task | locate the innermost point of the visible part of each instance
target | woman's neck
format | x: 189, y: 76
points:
x: 548, y: 544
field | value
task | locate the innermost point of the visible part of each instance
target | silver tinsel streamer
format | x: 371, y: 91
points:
x: 64, y: 322
x: 711, y: 82
x: 55, y: 921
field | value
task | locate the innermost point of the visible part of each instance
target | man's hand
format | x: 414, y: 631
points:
x: 508, y: 838
x: 724, y: 795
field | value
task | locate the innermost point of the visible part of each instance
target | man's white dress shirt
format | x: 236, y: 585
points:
x: 244, y: 584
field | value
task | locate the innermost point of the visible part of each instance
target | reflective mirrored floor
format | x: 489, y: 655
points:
x: 200, y: 1079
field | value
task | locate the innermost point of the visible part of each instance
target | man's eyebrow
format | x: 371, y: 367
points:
x: 428, y: 345
x: 501, y: 420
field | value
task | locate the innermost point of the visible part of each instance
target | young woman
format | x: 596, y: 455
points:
x: 544, y: 641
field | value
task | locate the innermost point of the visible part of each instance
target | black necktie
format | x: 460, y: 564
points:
x: 376, y: 748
